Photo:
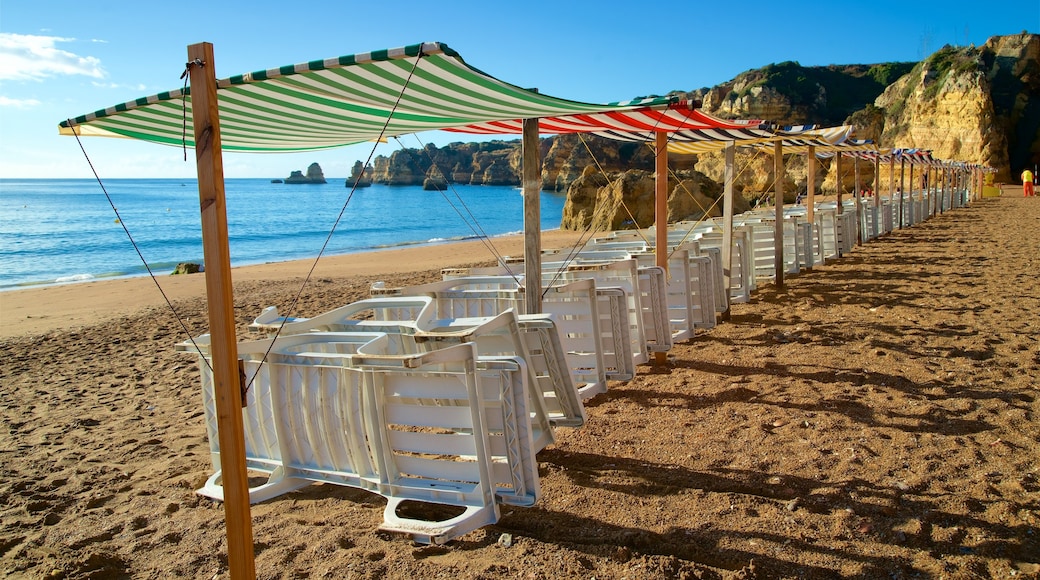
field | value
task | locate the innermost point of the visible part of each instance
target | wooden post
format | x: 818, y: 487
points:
x: 913, y: 218
x: 877, y: 182
x: 945, y: 186
x: 661, y: 199
x: 227, y: 386
x: 934, y: 181
x: 532, y: 189
x: 838, y: 186
x: 727, y: 223
x: 902, y: 188
x: 929, y: 185
x: 661, y: 214
x: 891, y: 180
x: 810, y: 201
x: 978, y: 182
x: 778, y: 198
x: 856, y: 197
x: 875, y: 215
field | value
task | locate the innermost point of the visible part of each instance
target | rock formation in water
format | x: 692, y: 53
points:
x: 314, y: 175
x: 360, y: 176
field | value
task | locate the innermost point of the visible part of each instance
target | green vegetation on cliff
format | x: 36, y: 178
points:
x: 829, y: 94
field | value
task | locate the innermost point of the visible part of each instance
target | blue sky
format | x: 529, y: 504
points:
x: 59, y: 59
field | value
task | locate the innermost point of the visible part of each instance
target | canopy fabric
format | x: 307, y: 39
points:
x: 351, y: 99
x: 861, y: 148
x: 762, y: 137
x: 638, y: 125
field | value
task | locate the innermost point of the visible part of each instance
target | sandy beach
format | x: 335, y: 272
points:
x: 877, y: 417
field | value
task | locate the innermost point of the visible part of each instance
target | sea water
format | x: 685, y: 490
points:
x: 55, y: 231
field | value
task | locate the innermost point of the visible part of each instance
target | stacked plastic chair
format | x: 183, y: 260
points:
x: 383, y: 396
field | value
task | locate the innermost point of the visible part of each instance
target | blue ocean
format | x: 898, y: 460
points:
x: 55, y: 231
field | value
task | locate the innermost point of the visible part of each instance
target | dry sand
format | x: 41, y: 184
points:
x: 875, y: 418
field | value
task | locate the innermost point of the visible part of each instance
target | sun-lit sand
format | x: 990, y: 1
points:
x: 876, y: 417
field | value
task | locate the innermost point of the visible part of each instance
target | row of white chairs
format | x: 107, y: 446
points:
x: 442, y: 393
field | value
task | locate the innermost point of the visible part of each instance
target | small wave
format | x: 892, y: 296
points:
x: 73, y: 278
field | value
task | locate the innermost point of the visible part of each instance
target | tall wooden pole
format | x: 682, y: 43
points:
x: 892, y: 179
x: 857, y: 205
x: 810, y: 200
x: 661, y: 213
x: 532, y: 189
x: 727, y: 223
x: 875, y: 214
x: 778, y: 197
x: 838, y: 186
x: 929, y: 185
x: 945, y: 186
x: 913, y: 218
x: 902, y: 188
x: 227, y: 385
x: 661, y: 199
x: 933, y: 180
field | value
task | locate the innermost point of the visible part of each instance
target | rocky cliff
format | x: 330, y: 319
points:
x: 564, y: 158
x: 980, y: 105
x: 626, y: 200
x: 790, y: 93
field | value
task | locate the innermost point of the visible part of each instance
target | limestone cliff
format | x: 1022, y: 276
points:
x: 626, y: 200
x: 980, y: 105
x: 788, y: 93
x: 564, y: 158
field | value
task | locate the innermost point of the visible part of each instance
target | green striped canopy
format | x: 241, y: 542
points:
x: 340, y: 101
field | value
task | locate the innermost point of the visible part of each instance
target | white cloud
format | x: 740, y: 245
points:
x: 34, y: 57
x: 18, y: 103
x: 137, y: 87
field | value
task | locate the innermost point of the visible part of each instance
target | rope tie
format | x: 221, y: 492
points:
x: 184, y: 103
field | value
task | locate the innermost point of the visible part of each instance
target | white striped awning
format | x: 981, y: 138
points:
x: 351, y: 99
x: 792, y: 138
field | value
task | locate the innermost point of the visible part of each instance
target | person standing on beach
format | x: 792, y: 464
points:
x: 1027, y: 183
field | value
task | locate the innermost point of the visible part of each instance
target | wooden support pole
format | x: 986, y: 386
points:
x: 934, y: 182
x: 532, y: 190
x: 727, y: 223
x: 978, y: 183
x: 661, y: 199
x: 902, y: 188
x: 856, y: 197
x: 877, y: 182
x: 778, y: 197
x: 892, y: 178
x: 661, y: 213
x: 913, y: 218
x: 838, y: 186
x: 875, y: 215
x: 810, y: 201
x: 227, y: 383
x: 945, y: 187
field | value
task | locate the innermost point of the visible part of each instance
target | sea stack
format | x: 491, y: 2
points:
x: 314, y: 175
